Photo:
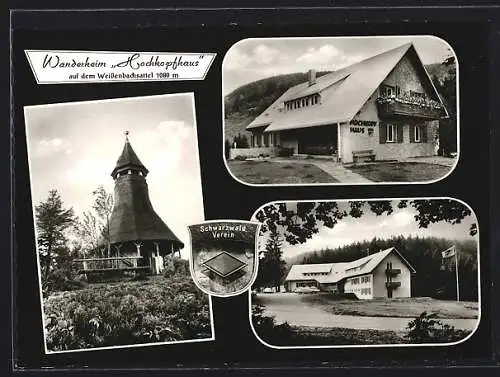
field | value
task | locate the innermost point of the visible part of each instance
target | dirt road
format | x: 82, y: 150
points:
x: 288, y: 307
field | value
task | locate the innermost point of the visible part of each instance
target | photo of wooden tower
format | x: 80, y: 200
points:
x: 136, y: 240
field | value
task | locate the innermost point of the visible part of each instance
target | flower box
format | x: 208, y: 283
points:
x: 393, y: 107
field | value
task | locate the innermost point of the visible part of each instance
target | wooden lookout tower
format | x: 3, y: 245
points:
x: 139, y: 240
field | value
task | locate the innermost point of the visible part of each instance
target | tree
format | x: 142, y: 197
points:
x: 227, y: 149
x: 52, y: 221
x: 300, y: 224
x: 103, y: 205
x: 447, y: 88
x: 241, y: 141
x: 271, y: 265
x: 88, y: 231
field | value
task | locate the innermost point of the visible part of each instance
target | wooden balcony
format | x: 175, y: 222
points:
x: 392, y: 284
x: 392, y: 272
x: 117, y: 264
x: 393, y: 109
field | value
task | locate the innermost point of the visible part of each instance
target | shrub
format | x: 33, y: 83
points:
x: 240, y: 158
x: 60, y: 280
x: 285, y: 152
x: 176, y: 266
x: 268, y: 330
x: 427, y: 329
x: 227, y: 149
x: 140, y: 277
x: 159, y: 310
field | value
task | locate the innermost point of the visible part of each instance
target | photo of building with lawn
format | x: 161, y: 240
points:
x: 114, y: 184
x: 365, y: 110
x: 365, y: 273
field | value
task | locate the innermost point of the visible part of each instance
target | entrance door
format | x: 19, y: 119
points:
x: 318, y: 140
x: 389, y: 293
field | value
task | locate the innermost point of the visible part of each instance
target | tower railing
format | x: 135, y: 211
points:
x: 127, y: 263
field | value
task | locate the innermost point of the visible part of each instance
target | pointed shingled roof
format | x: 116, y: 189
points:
x: 133, y: 217
x: 128, y: 159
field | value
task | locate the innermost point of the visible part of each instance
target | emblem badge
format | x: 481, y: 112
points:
x: 224, y: 258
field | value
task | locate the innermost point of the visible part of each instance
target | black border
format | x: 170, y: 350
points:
x: 445, y: 10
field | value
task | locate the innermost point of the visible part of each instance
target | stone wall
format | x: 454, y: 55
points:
x: 252, y: 152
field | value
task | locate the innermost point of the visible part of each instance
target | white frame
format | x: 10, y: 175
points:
x: 413, y: 37
x: 391, y: 345
x: 417, y: 132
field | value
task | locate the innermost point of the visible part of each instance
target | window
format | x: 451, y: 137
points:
x: 417, y: 133
x: 417, y: 94
x: 388, y: 91
x: 390, y: 135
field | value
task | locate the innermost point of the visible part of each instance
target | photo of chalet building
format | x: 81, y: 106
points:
x: 340, y: 272
x: 347, y: 110
x: 381, y: 108
x: 386, y: 274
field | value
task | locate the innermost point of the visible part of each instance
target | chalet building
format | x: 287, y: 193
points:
x: 384, y: 107
x: 383, y: 274
x: 139, y: 240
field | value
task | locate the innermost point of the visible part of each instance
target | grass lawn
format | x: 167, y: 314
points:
x: 267, y: 172
x: 405, y: 307
x: 304, y: 335
x: 400, y: 172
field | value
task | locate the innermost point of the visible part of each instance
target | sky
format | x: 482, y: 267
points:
x: 73, y: 147
x: 253, y: 59
x: 368, y: 226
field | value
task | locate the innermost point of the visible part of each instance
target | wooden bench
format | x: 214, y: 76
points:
x: 363, y: 155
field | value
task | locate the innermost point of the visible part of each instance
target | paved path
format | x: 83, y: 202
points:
x: 436, y: 160
x: 340, y: 173
x: 334, y: 169
x: 287, y: 307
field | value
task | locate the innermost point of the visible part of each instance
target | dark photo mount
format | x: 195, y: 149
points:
x: 473, y: 34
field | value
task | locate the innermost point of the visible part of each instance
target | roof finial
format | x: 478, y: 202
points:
x: 126, y: 135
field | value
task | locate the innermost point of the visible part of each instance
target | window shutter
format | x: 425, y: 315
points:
x: 399, y: 130
x: 412, y: 133
x: 423, y: 134
x: 382, y: 132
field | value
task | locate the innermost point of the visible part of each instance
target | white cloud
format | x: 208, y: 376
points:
x: 320, y: 55
x: 261, y: 54
x: 173, y: 136
x: 264, y: 54
x: 236, y: 60
x: 47, y: 147
x: 328, y: 57
x: 401, y: 219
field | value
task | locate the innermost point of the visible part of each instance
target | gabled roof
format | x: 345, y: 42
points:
x: 354, y: 86
x: 334, y: 270
x: 128, y: 158
x: 340, y: 271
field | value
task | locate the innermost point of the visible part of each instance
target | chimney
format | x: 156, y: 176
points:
x: 312, y: 77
